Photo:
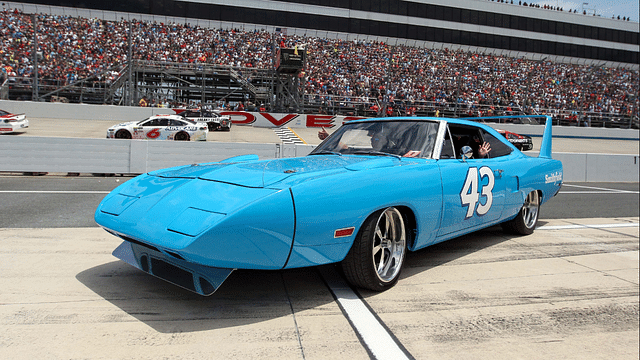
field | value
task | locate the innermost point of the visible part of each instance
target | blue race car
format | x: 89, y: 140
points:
x: 371, y: 191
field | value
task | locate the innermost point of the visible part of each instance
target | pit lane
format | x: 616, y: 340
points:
x: 565, y: 291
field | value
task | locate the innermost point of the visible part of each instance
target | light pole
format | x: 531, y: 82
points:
x: 34, y: 23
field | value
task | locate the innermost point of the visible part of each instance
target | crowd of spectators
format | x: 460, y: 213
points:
x: 555, y: 8
x: 71, y: 48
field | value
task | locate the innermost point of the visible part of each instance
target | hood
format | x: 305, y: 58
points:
x: 279, y: 172
x: 125, y: 124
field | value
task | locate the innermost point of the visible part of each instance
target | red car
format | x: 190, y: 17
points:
x: 522, y: 142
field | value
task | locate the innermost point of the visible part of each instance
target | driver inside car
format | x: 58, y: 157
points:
x: 377, y: 138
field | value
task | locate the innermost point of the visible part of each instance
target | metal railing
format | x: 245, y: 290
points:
x: 102, y: 88
x: 4, y: 90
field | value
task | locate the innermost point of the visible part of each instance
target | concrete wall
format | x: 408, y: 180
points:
x: 80, y: 111
x: 130, y: 113
x: 572, y: 131
x: 50, y: 154
x: 599, y: 167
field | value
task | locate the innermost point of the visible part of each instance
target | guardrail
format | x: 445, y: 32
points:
x: 72, y: 155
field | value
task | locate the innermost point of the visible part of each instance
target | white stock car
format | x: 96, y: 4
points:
x: 10, y: 123
x: 160, y: 127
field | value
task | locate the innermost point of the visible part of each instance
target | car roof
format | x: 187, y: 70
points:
x: 170, y: 116
x: 415, y: 118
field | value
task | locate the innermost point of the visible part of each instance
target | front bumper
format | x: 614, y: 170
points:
x: 203, y: 280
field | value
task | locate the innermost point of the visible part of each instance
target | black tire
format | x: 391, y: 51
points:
x: 377, y: 254
x: 527, y: 219
x: 123, y: 134
x: 181, y: 136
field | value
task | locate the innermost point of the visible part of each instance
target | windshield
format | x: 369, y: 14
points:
x: 398, y: 138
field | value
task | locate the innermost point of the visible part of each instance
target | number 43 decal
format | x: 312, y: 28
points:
x: 469, y: 196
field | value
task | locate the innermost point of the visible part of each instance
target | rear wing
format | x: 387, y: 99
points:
x: 545, y: 147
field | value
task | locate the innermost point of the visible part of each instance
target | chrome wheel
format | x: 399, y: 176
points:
x: 389, y: 244
x: 530, y: 210
x: 525, y: 222
x: 375, y: 259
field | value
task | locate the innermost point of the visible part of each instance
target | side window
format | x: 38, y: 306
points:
x: 498, y: 146
x: 162, y: 122
x: 173, y: 122
x: 150, y: 123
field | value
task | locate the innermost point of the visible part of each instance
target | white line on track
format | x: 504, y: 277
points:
x: 587, y: 226
x: 371, y: 332
x: 602, y: 189
x: 598, y: 192
x: 51, y: 192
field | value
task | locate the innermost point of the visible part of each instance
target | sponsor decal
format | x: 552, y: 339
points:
x: 153, y: 134
x: 553, y: 178
x: 265, y: 119
x: 319, y: 120
x: 280, y: 122
x: 6, y: 129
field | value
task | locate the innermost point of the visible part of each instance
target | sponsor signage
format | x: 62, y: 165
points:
x: 265, y: 119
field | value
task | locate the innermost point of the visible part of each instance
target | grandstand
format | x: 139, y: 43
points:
x: 364, y: 57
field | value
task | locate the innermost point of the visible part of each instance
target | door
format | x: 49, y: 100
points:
x: 474, y: 188
x: 153, y: 127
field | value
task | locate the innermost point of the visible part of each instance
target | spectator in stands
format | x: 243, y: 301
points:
x: 440, y: 80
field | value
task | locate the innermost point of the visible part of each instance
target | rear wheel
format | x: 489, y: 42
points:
x: 525, y: 222
x: 181, y: 136
x: 376, y: 257
x: 123, y: 134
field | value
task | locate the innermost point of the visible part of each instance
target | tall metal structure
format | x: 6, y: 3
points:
x: 34, y: 23
x: 197, y: 83
x: 289, y: 65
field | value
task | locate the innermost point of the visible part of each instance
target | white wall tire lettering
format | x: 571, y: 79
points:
x: 470, y: 197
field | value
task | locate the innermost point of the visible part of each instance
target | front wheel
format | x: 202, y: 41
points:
x: 123, y: 134
x: 377, y: 254
x: 181, y: 136
x: 525, y: 222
